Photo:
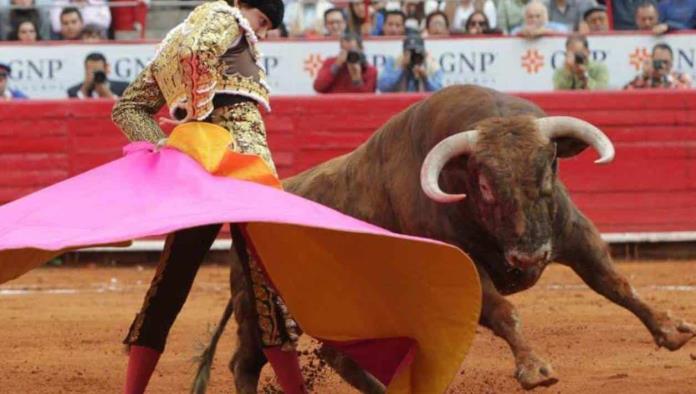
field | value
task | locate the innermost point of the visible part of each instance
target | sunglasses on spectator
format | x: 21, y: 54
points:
x: 478, y: 23
x: 3, y: 75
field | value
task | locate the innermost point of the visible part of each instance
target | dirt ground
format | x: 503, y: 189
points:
x: 61, y: 329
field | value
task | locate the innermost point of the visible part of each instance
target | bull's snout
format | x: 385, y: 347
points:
x: 524, y: 260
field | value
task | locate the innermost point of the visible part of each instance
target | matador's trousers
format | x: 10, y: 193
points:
x: 183, y: 254
x: 185, y: 249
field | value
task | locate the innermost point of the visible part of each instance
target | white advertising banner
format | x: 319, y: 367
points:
x: 503, y: 63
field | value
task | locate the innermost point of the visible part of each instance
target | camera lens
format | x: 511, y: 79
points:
x: 99, y: 77
x: 579, y: 58
x: 353, y: 57
x: 417, y: 58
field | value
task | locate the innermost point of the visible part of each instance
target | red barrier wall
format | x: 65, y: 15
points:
x: 650, y: 187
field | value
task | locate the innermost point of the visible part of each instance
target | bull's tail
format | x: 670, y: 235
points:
x: 205, y: 360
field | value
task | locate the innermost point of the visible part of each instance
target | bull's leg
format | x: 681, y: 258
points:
x: 585, y: 252
x: 248, y: 358
x: 350, y: 371
x: 500, y: 316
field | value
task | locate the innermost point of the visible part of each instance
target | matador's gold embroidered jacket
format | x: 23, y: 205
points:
x: 212, y: 52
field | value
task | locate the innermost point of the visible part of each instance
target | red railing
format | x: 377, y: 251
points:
x: 650, y: 187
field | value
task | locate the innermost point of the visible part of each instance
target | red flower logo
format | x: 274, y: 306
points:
x: 532, y: 61
x: 638, y: 56
x: 312, y: 64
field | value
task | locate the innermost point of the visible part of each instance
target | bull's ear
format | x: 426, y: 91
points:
x: 569, y: 147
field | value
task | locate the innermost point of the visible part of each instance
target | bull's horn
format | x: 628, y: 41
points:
x: 567, y: 126
x: 444, y: 151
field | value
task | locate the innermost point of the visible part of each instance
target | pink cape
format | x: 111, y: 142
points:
x: 345, y: 281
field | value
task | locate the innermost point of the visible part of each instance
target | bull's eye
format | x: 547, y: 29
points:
x: 486, y: 191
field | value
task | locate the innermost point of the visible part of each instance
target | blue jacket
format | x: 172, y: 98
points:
x: 678, y: 14
x: 16, y: 94
x: 393, y: 78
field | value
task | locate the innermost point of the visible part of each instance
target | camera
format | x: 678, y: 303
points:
x: 580, y: 58
x: 659, y: 64
x: 415, y: 47
x: 354, y: 56
x: 417, y: 57
x: 99, y: 77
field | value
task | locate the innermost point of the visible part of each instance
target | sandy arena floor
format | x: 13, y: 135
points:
x: 61, y: 328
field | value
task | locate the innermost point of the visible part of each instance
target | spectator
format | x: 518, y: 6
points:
x: 305, y: 18
x: 10, y: 19
x: 536, y: 22
x: 71, y: 24
x: 647, y: 19
x: 413, y: 71
x: 568, y: 12
x: 579, y: 72
x: 467, y: 7
x: 7, y: 93
x: 394, y: 23
x: 510, y: 14
x: 334, y: 22
x: 360, y: 19
x: 414, y: 15
x: 596, y: 19
x: 92, y: 12
x: 92, y: 33
x: 26, y: 32
x: 624, y: 13
x: 348, y: 72
x: 437, y: 24
x: 97, y: 83
x: 478, y: 24
x: 658, y: 73
x: 678, y: 14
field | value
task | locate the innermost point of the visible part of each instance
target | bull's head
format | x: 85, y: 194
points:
x: 511, y: 176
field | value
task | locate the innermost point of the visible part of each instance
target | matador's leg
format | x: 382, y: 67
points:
x: 183, y: 253
x: 265, y: 330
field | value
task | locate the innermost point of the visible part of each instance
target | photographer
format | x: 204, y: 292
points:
x: 348, y: 72
x: 579, y: 72
x: 657, y: 72
x: 414, y: 71
x: 96, y: 83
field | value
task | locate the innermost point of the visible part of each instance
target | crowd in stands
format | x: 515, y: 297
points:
x: 35, y: 20
x: 528, y: 18
x: 409, y: 20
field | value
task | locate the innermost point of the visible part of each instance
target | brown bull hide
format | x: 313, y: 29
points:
x: 515, y: 208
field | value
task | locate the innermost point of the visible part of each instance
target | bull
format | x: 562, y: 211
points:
x: 511, y: 213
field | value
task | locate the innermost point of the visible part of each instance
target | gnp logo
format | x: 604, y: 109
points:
x: 532, y: 61
x: 312, y: 64
x: 638, y: 57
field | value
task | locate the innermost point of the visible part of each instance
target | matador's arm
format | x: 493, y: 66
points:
x: 134, y: 111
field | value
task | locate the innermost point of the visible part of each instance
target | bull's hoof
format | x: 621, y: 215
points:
x: 673, y: 334
x: 534, y: 372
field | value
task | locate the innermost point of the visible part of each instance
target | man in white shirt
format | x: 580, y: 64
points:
x: 94, y: 12
x: 306, y: 17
